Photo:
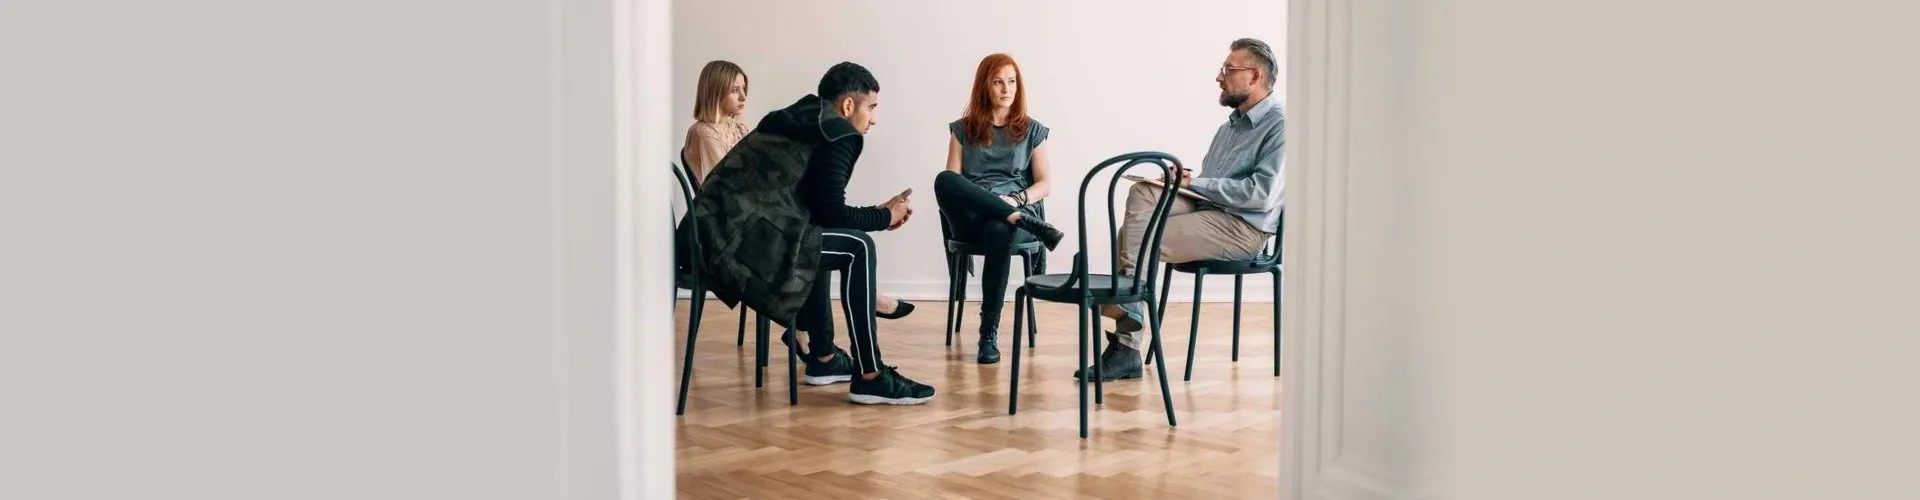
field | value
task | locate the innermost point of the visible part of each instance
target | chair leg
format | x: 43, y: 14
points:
x: 760, y: 354
x: 1099, y: 389
x: 1019, y: 310
x: 960, y: 290
x: 741, y: 338
x: 1031, y: 326
x: 1276, y: 322
x: 1193, y: 334
x: 1166, y: 395
x: 1084, y: 306
x: 1166, y: 288
x: 1026, y: 272
x: 1236, y: 317
x: 693, y: 336
x: 1166, y: 285
x: 793, y: 376
x: 953, y: 296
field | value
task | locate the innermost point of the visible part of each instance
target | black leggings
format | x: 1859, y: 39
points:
x: 978, y: 216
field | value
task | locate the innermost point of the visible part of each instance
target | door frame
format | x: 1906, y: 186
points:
x: 1319, y: 46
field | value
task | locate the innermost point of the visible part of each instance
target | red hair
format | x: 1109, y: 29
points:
x: 978, y: 120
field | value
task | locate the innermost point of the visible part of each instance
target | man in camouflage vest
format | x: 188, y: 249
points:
x: 774, y: 220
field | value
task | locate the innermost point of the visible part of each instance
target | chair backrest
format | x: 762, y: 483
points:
x: 684, y: 173
x: 1148, y: 257
x: 1270, y: 256
x: 692, y: 230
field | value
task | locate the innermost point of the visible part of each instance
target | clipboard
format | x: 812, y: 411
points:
x: 1157, y: 183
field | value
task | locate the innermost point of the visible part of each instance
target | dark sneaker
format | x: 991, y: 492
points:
x: 833, y: 371
x: 1118, y: 362
x: 890, y: 388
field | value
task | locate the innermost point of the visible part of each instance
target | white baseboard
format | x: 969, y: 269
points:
x: 1258, y: 289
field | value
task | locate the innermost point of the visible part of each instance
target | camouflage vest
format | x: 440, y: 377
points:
x: 761, y: 247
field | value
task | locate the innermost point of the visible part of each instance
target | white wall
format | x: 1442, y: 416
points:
x: 320, y: 250
x: 1107, y: 77
x: 646, y: 358
x: 1604, y: 250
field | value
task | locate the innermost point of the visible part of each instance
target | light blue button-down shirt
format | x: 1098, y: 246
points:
x: 1245, y: 168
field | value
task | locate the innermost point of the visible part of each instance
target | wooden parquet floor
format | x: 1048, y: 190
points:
x: 738, y: 441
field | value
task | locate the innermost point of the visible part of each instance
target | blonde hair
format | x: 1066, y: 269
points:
x: 715, y: 79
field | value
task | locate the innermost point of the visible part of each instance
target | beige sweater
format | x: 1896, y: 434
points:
x: 708, y: 142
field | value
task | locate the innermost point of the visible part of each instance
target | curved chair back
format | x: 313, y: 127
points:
x: 691, y: 234
x: 1271, y: 257
x: 1148, y: 257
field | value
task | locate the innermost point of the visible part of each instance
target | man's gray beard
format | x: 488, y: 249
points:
x: 1234, y: 100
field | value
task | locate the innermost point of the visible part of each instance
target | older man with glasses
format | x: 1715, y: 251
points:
x: 1241, y: 177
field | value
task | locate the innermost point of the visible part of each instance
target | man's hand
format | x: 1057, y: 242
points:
x: 1182, y: 177
x: 898, y: 209
x: 898, y: 212
x: 1010, y: 201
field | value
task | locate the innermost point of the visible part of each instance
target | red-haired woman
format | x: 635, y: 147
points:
x: 996, y: 173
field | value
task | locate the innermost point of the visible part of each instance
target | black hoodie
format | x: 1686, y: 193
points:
x: 823, y: 188
x: 760, y: 211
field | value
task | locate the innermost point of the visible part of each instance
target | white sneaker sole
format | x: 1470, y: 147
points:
x: 828, y: 380
x: 866, y: 399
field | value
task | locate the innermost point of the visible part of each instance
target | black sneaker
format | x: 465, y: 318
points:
x: 890, y: 388
x: 833, y: 371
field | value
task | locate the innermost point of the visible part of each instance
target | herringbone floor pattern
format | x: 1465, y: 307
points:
x: 736, y: 441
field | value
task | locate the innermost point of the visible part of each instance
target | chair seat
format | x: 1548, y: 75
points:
x: 1053, y: 288
x: 971, y: 248
x: 1252, y: 266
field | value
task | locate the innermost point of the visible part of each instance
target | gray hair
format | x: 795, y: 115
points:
x: 1262, y: 51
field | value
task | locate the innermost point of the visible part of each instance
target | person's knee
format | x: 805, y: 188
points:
x: 946, y: 180
x: 1143, y: 193
x: 864, y: 238
x: 864, y: 245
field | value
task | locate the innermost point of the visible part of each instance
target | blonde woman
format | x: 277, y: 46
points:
x: 719, y: 100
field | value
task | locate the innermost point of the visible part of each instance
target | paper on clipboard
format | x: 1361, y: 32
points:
x: 1157, y: 183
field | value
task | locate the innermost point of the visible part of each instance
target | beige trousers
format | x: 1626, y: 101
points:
x: 1193, y: 233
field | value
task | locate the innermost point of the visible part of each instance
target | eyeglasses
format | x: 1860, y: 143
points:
x: 1230, y: 69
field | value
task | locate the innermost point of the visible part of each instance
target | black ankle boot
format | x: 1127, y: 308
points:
x: 1049, y: 235
x: 989, y: 348
x: 1118, y: 362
